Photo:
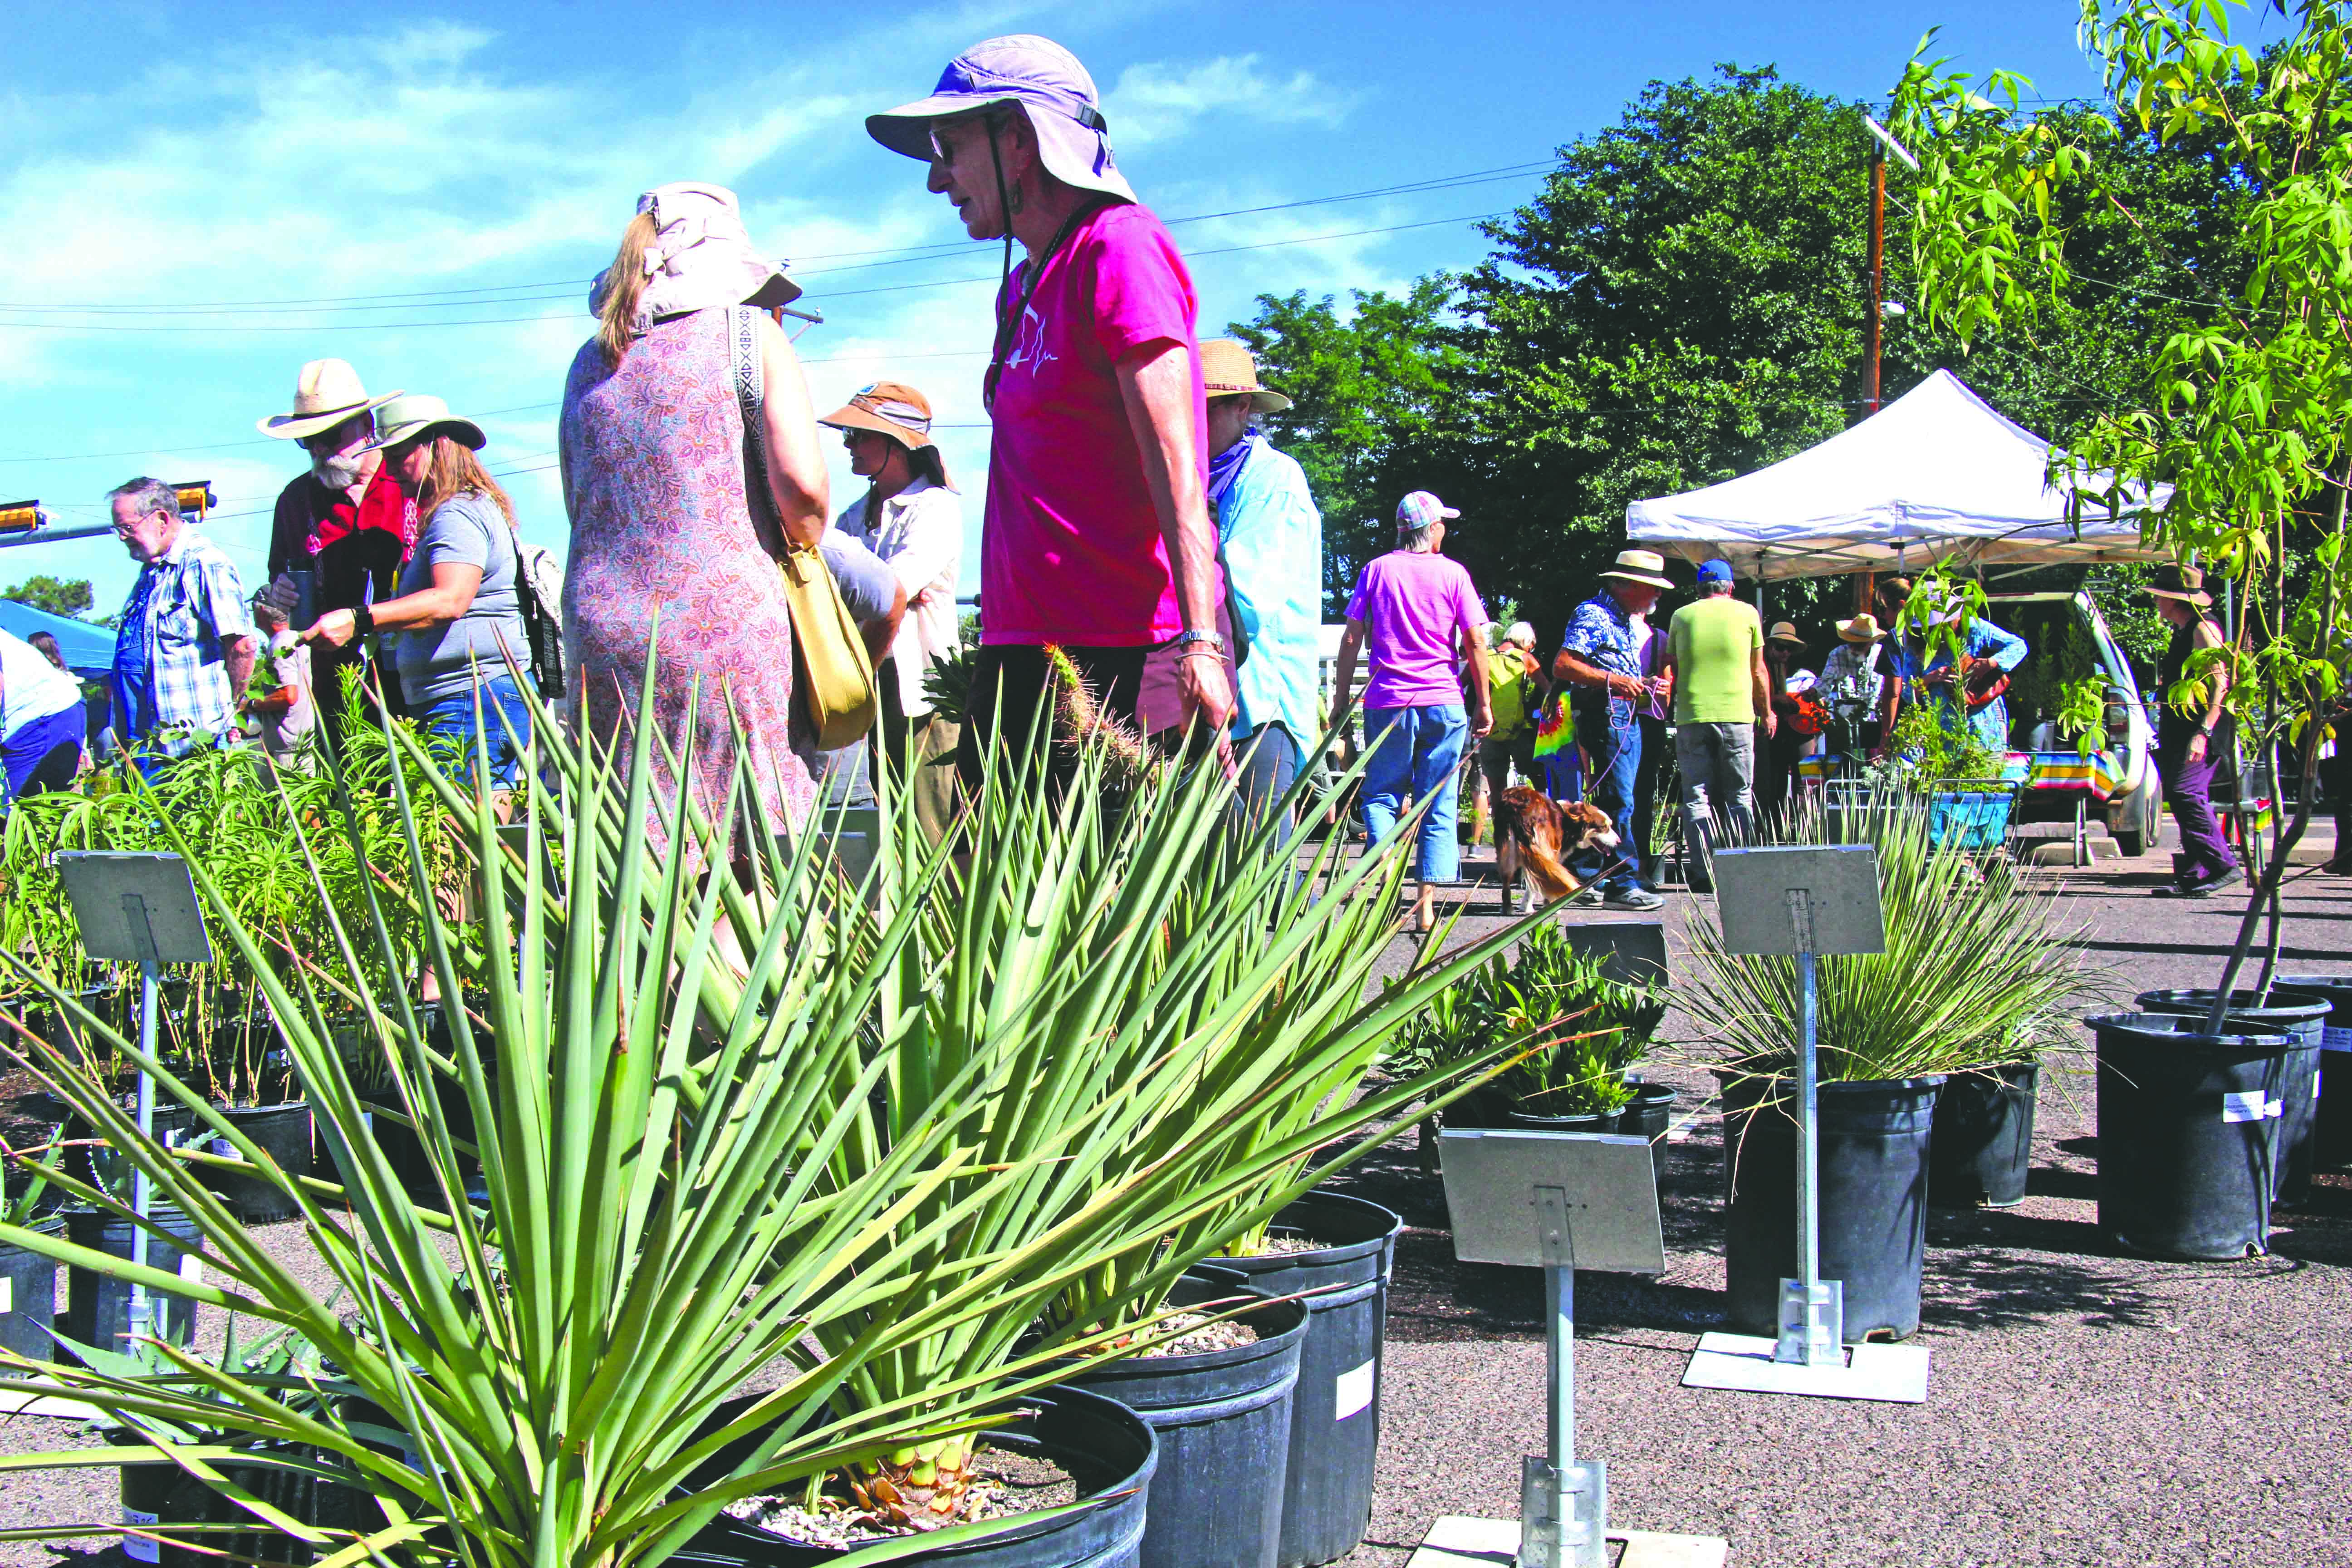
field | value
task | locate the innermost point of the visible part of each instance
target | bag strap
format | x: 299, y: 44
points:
x: 751, y: 396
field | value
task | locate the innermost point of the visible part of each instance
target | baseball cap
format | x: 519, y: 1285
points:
x: 1715, y: 571
x: 1421, y: 509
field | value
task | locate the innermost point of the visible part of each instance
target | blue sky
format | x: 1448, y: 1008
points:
x: 178, y: 175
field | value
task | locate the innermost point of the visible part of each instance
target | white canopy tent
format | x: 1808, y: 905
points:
x: 1935, y: 475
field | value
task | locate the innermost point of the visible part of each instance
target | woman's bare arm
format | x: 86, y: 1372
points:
x: 796, y: 475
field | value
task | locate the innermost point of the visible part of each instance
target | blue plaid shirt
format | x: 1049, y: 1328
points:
x: 171, y: 654
x: 1603, y: 636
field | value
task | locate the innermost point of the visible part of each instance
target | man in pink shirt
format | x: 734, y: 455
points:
x: 1097, y: 536
x: 1420, y: 616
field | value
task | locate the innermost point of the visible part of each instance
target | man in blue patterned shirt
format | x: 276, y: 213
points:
x: 1600, y: 662
x: 185, y: 645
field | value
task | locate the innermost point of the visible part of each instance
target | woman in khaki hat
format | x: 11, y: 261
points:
x: 911, y: 517
x: 2191, y: 743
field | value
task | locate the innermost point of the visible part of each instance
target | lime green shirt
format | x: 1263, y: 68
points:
x: 1713, y: 644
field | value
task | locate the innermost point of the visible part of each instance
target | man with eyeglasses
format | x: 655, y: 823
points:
x: 344, y: 528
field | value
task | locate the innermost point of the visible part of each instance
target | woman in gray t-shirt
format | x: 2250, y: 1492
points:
x: 457, y: 614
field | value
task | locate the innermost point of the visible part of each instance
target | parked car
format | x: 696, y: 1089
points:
x: 2134, y: 811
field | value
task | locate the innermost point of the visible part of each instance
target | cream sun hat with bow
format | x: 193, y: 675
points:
x: 701, y: 256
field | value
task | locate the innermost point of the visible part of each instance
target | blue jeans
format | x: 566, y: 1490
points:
x: 1270, y: 763
x: 454, y: 717
x: 1612, y: 737
x: 1419, y: 749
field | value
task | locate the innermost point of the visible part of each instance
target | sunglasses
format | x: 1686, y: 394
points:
x: 943, y: 151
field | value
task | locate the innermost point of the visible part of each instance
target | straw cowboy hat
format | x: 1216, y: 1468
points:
x: 1229, y: 370
x: 327, y: 392
x: 409, y: 416
x: 1786, y: 632
x: 891, y: 408
x: 1641, y: 566
x: 2181, y: 583
x: 1863, y: 628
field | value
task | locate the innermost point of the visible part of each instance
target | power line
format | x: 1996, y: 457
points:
x: 903, y: 256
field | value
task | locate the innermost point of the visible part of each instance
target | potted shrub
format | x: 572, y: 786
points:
x: 28, y: 1201
x: 870, y: 1150
x: 1973, y: 957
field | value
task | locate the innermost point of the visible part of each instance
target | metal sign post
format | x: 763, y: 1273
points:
x: 1806, y: 901
x: 137, y: 908
x: 1556, y: 1201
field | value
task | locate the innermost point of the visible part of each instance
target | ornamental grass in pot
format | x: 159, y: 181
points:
x: 898, y: 1152
x: 1977, y: 959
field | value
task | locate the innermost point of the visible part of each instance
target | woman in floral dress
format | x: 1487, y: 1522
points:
x: 671, y: 538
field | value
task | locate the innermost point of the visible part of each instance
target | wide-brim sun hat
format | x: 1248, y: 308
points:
x: 1228, y: 369
x: 1785, y: 632
x: 2183, y: 582
x: 1641, y: 566
x: 1861, y: 628
x: 889, y: 408
x: 1045, y: 79
x: 412, y: 414
x: 701, y: 256
x: 327, y: 392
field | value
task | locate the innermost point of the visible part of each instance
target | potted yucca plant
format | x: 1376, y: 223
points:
x: 869, y: 1150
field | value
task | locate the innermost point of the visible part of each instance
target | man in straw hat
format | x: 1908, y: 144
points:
x: 342, y: 529
x: 1600, y: 663
x: 1714, y: 665
x: 1270, y: 539
x: 2192, y: 740
x: 911, y: 517
x: 1097, y: 537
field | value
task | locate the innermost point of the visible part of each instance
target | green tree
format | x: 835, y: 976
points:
x: 2243, y: 407
x: 1368, y: 392
x: 58, y: 597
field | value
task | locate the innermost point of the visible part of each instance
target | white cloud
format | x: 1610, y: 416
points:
x: 1162, y: 100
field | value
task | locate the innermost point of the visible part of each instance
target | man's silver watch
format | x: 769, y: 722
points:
x: 1214, y: 639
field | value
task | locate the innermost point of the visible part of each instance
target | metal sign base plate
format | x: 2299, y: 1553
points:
x: 1457, y: 1540
x: 1896, y: 1375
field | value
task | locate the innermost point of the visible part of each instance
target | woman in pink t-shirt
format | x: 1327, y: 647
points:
x: 1096, y: 537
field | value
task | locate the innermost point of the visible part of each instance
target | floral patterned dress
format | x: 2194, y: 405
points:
x: 663, y: 535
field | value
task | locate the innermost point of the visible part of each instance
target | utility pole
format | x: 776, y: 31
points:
x: 1877, y: 274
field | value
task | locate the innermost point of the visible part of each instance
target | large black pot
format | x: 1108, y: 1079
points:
x: 1983, y: 1147
x: 29, y: 1296
x: 2303, y: 1015
x: 2331, y: 1121
x: 99, y: 1163
x: 1335, y: 1412
x: 1222, y: 1418
x: 159, y: 1495
x: 1107, y: 1447
x: 1873, y: 1138
x: 283, y: 1133
x: 98, y: 1306
x: 1649, y: 1113
x: 2186, y: 1154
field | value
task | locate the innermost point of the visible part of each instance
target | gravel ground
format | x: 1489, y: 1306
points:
x: 2084, y: 1408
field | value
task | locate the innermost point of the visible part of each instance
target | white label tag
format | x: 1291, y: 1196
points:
x: 139, y: 1548
x: 2334, y: 1039
x: 192, y: 1269
x: 1353, y: 1391
x: 7, y: 1292
x: 2276, y: 1107
x: 2249, y: 1106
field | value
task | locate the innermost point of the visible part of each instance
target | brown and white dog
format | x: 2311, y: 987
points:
x: 1537, y: 833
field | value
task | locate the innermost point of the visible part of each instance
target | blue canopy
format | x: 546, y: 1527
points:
x: 88, y: 649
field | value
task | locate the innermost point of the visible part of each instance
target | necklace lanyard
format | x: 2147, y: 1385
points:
x: 1008, y: 322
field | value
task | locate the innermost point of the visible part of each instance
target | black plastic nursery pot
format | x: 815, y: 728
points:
x: 1873, y: 1138
x: 96, y: 1162
x: 1335, y: 1412
x: 1649, y: 1113
x: 283, y: 1133
x: 1222, y: 1418
x: 98, y: 1306
x: 2331, y: 1121
x: 1983, y: 1148
x: 160, y: 1496
x: 1108, y: 1450
x: 2187, y: 1150
x: 2300, y: 1013
x: 28, y: 1297
x: 1589, y: 1122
